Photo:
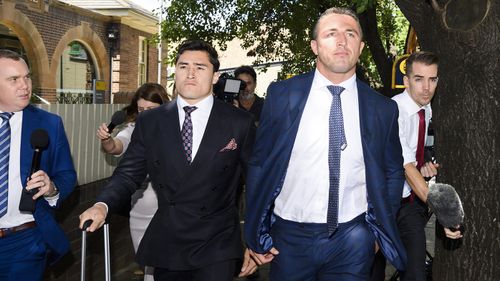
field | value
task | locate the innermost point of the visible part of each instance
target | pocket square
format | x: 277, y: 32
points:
x: 231, y: 145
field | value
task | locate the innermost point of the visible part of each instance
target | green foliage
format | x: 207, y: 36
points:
x: 271, y: 30
x: 393, y: 29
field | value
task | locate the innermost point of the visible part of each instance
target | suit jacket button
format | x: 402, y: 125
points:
x: 214, y: 188
x: 203, y: 209
x: 156, y: 163
x: 162, y: 186
x: 172, y: 203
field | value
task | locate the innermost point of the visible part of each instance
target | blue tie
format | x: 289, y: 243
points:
x: 4, y: 161
x: 337, y: 142
x: 187, y: 132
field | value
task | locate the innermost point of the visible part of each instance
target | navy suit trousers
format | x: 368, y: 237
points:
x: 23, y: 256
x: 307, y: 253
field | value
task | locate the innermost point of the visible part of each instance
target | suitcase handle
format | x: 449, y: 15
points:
x: 107, y: 263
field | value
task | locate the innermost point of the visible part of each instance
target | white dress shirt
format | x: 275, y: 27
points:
x: 304, y: 196
x: 408, y: 122
x: 13, y: 217
x: 199, y: 117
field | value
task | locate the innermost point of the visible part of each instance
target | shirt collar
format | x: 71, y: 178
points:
x: 203, y: 105
x: 320, y: 81
x: 411, y: 106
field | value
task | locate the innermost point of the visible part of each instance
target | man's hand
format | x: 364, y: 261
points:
x: 41, y: 181
x: 249, y: 265
x: 429, y: 170
x: 453, y: 234
x: 97, y: 214
x: 261, y: 259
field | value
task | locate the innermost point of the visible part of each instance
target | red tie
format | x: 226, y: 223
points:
x: 421, y: 138
x: 420, y: 147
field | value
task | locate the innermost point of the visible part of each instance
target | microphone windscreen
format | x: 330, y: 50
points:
x: 444, y: 201
x: 118, y: 118
x: 39, y: 139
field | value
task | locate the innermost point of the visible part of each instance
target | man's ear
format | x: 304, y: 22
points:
x: 406, y: 81
x: 314, y: 47
x: 361, y: 46
x: 215, y: 77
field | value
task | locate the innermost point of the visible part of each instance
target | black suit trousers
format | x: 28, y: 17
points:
x: 412, y: 218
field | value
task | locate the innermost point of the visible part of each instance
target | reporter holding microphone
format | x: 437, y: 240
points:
x: 30, y: 237
x: 415, y: 113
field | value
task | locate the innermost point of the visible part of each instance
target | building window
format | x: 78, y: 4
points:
x: 76, y: 74
x: 143, y: 61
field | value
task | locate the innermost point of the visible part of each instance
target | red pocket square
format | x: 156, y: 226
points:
x: 231, y: 145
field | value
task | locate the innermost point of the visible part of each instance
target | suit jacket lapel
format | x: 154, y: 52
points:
x: 214, y: 137
x: 30, y: 121
x: 365, y: 114
x: 297, y: 99
x: 171, y: 138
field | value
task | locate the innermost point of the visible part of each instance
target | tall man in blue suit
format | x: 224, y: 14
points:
x: 325, y: 178
x: 28, y: 241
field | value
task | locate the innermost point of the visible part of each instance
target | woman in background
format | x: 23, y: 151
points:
x: 144, y: 201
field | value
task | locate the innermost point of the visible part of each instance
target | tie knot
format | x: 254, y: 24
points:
x: 421, y: 113
x: 189, y: 109
x: 335, y: 90
x: 6, y: 115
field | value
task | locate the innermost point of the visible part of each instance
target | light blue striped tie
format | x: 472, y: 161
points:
x: 337, y: 142
x: 4, y: 161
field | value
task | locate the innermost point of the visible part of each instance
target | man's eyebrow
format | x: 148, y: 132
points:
x: 195, y: 63
x: 421, y: 76
x: 352, y: 30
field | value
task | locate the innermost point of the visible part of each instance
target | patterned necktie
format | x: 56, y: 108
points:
x: 337, y: 142
x: 419, y: 156
x: 187, y: 132
x: 4, y: 161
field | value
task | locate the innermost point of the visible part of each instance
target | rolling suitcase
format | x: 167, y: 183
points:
x: 107, y: 264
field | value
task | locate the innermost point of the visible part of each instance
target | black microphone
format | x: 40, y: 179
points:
x: 444, y: 201
x: 39, y: 141
x: 117, y: 119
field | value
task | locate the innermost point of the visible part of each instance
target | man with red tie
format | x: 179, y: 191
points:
x: 415, y: 113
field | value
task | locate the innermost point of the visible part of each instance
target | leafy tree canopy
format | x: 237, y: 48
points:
x: 279, y: 30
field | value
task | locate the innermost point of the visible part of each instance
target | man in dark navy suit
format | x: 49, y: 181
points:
x: 29, y: 240
x: 325, y: 177
x: 194, y: 149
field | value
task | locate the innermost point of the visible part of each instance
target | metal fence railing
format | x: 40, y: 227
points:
x: 75, y: 98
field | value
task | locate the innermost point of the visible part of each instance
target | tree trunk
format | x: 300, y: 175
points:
x: 466, y: 110
x: 368, y: 21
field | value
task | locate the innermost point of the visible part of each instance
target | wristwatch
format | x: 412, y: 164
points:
x: 56, y: 191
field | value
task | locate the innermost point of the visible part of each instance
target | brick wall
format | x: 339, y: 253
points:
x: 53, y: 24
x: 129, y: 58
x: 122, y: 252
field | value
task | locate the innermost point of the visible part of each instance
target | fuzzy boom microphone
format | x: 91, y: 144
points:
x: 444, y: 201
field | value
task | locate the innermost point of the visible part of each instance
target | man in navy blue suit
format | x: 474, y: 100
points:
x: 29, y: 240
x: 326, y: 175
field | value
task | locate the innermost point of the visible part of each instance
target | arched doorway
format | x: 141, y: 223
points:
x: 76, y: 74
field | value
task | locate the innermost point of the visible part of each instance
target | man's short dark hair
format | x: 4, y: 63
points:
x: 427, y: 58
x: 337, y: 11
x: 245, y: 69
x: 8, y: 54
x: 200, y: 45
